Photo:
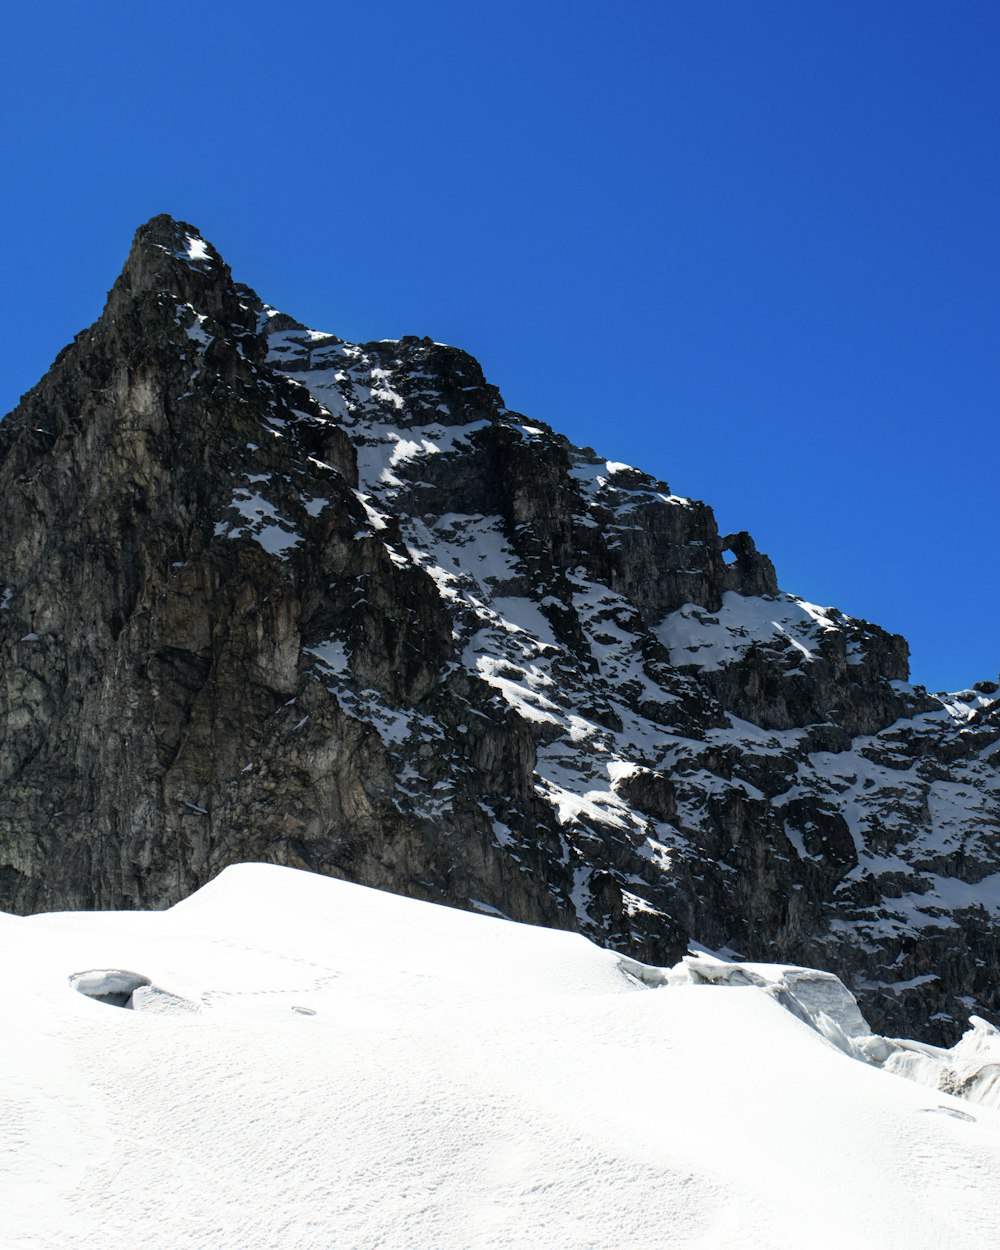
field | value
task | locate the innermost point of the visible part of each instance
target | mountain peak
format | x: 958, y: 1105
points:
x: 267, y: 594
x: 171, y: 257
x: 177, y: 237
x: 164, y: 247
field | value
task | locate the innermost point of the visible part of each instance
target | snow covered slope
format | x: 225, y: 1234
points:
x: 312, y: 1064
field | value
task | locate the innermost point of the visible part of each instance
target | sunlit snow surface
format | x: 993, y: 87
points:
x: 314, y: 1064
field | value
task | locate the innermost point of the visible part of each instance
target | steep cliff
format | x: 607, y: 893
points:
x: 268, y: 595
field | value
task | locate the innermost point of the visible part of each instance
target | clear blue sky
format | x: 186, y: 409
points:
x: 753, y: 247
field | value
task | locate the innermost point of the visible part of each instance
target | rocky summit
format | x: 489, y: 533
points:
x: 269, y: 595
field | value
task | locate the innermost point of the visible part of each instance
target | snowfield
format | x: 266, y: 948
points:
x: 309, y: 1063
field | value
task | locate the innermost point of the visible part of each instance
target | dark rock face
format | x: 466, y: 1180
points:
x: 268, y: 595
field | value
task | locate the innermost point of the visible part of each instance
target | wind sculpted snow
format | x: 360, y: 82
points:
x: 307, y: 1063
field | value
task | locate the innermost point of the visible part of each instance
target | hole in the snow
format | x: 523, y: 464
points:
x: 113, y: 986
x: 304, y: 1011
